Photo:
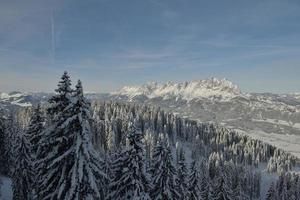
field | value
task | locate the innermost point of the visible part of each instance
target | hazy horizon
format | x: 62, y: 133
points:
x: 109, y: 44
x: 86, y: 90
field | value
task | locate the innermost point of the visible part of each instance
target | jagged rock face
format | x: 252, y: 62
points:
x: 186, y: 90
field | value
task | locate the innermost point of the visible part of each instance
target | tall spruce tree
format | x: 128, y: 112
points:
x: 271, y: 194
x: 204, y: 181
x: 3, y: 150
x: 53, y: 157
x: 193, y: 183
x: 69, y: 168
x: 163, y: 174
x: 220, y: 190
x: 214, y: 190
x: 130, y: 180
x: 22, y: 175
x: 182, y: 173
x: 61, y: 99
x: 35, y: 129
x: 33, y: 135
x: 86, y: 174
x: 0, y: 187
x: 12, y: 131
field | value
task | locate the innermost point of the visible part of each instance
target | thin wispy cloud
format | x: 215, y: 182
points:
x: 110, y: 42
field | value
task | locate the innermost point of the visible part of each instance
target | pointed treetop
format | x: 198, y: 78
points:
x: 79, y: 96
x: 134, y: 135
x: 38, y: 110
x: 65, y: 76
x: 79, y: 90
x: 62, y: 97
x: 64, y: 84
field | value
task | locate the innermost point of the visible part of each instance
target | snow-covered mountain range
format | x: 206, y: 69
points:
x: 187, y: 90
x: 274, y: 118
x: 22, y: 99
x: 215, y: 90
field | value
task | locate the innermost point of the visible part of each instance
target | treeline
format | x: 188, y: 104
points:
x: 71, y: 149
x: 111, y: 119
x: 286, y: 187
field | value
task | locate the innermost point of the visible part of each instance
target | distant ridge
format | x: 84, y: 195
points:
x: 212, y: 87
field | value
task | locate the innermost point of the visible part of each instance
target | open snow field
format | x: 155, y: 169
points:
x: 289, y: 143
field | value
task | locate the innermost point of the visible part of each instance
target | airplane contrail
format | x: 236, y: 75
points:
x: 52, y: 36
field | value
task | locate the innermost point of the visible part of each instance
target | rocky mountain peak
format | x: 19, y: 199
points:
x: 187, y: 90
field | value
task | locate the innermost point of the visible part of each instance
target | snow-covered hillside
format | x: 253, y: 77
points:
x: 15, y: 98
x: 296, y: 95
x: 27, y: 99
x: 274, y: 118
x: 22, y: 99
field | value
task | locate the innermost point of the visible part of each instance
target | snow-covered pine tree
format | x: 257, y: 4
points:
x: 227, y: 186
x: 35, y: 129
x: 238, y: 193
x: 108, y: 169
x: 284, y: 190
x: 193, y: 182
x: 3, y: 150
x: 86, y: 176
x: 33, y: 135
x: 116, y: 170
x: 163, y: 174
x: 12, y: 130
x: 0, y: 187
x: 220, y: 186
x: 182, y: 173
x: 61, y: 99
x: 271, y: 194
x: 69, y: 167
x: 148, y: 141
x: 204, y: 180
x: 53, y: 155
x: 111, y: 135
x: 22, y: 174
x: 214, y: 192
x: 130, y: 180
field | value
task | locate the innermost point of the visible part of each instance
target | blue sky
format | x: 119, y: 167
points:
x: 110, y: 43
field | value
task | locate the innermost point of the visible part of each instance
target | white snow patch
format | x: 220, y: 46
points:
x: 6, y: 190
x: 279, y: 122
x: 15, y: 98
x: 296, y: 95
x: 289, y: 143
x: 4, y: 95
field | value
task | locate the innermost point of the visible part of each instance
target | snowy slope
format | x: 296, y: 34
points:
x: 15, y: 98
x: 296, y: 95
x: 25, y: 99
x: 5, y: 192
x: 273, y: 118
